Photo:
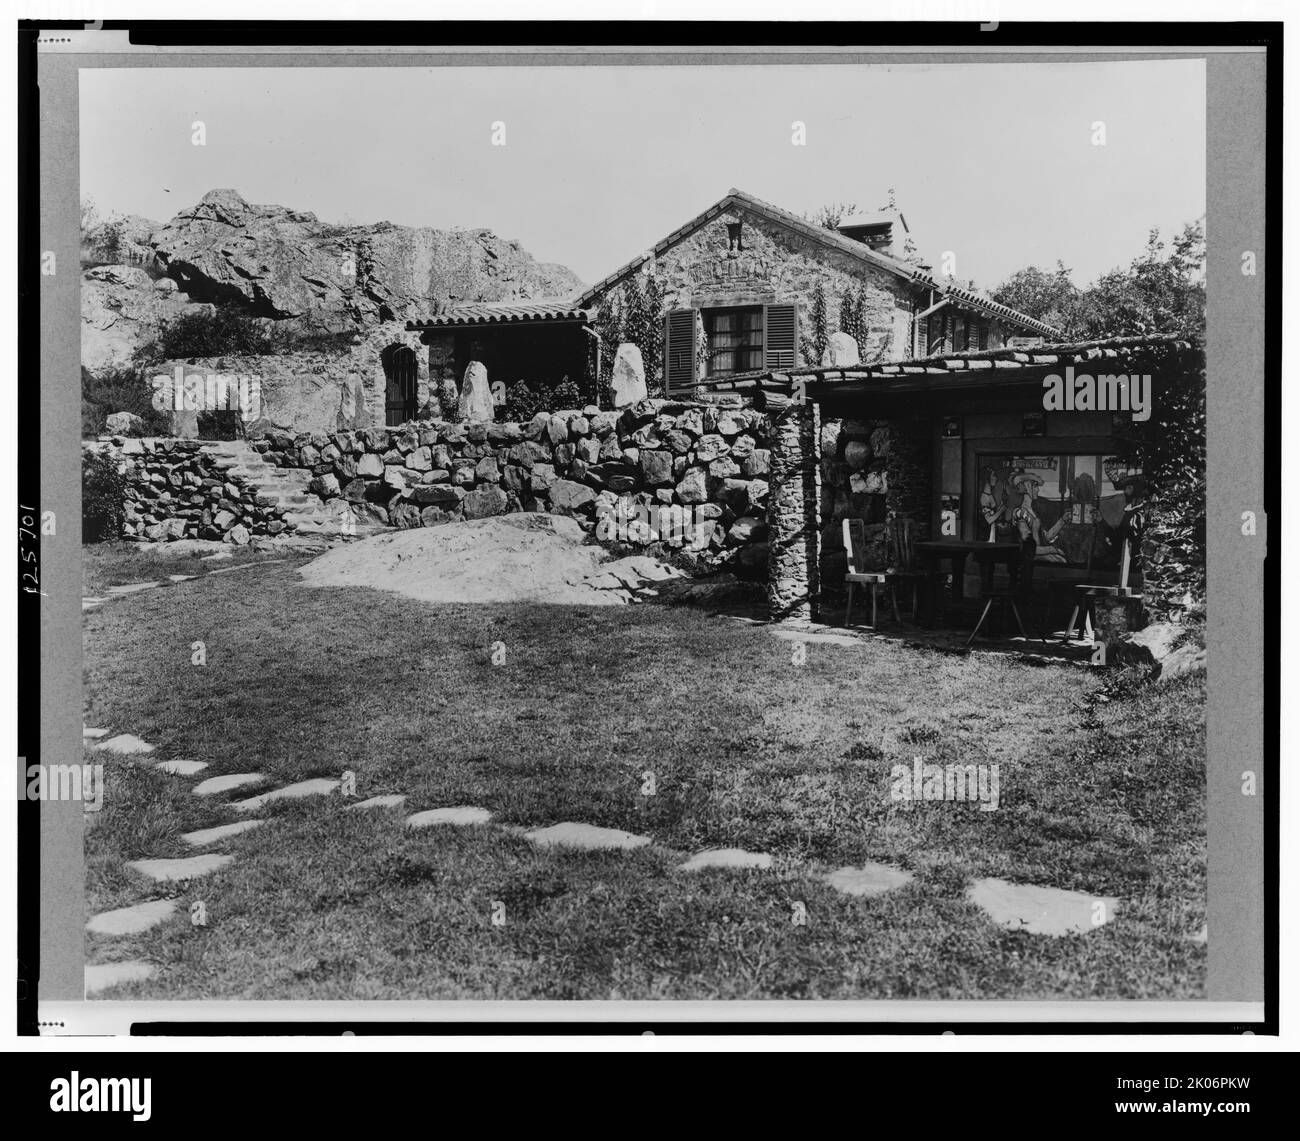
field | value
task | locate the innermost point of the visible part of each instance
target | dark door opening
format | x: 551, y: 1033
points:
x: 400, y: 384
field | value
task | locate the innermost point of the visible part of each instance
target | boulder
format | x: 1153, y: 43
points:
x: 475, y: 395
x: 370, y: 466
x: 568, y: 498
x: 485, y: 502
x: 656, y: 468
x: 693, y: 488
x: 841, y: 350
x: 124, y: 423
x: 627, y: 381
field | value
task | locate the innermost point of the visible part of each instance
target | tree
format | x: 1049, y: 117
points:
x: 1156, y: 294
x: 830, y: 216
x: 1048, y: 295
x: 813, y: 343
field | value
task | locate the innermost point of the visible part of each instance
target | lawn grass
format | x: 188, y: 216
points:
x: 747, y: 748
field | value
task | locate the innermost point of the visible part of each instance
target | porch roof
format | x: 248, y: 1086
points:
x: 1006, y: 366
x: 504, y: 313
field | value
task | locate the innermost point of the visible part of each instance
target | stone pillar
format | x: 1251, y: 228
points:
x: 793, y: 579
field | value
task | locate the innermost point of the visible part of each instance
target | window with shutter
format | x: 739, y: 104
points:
x: 679, y: 351
x: 780, y: 336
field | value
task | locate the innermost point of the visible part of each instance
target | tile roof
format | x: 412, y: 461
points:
x: 831, y: 239
x: 503, y: 313
x: 951, y: 369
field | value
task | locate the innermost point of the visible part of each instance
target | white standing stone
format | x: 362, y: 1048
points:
x: 223, y: 832
x: 1041, y: 910
x: 214, y: 785
x: 460, y: 814
x: 475, y: 394
x: 627, y: 382
x: 589, y: 836
x: 317, y: 786
x: 840, y: 350
x: 187, y: 868
x: 132, y: 920
x: 93, y: 734
x: 101, y: 976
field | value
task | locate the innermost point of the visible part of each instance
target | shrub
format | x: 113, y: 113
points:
x: 565, y: 395
x: 448, y: 405
x: 522, y: 403
x: 103, y: 497
x: 221, y: 332
x: 118, y: 389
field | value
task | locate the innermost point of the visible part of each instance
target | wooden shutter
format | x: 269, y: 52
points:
x: 679, y: 351
x: 780, y: 336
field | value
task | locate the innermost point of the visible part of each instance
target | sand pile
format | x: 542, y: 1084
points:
x: 523, y: 557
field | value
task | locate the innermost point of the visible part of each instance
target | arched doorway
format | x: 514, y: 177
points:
x: 400, y: 384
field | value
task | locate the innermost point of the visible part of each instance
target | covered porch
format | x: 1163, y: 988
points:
x: 539, y: 343
x: 963, y: 454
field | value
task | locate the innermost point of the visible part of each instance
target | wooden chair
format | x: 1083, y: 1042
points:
x: 855, y: 546
x: 905, y: 567
x: 1086, y: 595
x: 1011, y: 595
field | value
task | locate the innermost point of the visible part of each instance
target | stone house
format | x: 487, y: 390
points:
x: 738, y: 282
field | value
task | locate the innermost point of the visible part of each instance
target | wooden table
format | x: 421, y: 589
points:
x: 955, y: 552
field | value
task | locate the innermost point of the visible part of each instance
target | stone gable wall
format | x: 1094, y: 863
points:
x: 779, y: 265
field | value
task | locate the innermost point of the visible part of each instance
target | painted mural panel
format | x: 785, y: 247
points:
x: 1077, y: 509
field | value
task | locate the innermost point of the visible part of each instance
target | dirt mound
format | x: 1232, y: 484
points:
x: 528, y: 557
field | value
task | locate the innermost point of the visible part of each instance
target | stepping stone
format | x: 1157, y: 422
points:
x: 245, y: 566
x: 869, y: 879
x: 182, y: 768
x: 726, y: 858
x: 1039, y: 910
x: 132, y: 920
x: 93, y: 734
x: 317, y: 786
x: 133, y: 587
x: 91, y: 603
x: 181, y: 577
x: 788, y: 635
x: 188, y: 868
x: 104, y: 975
x: 461, y: 814
x: 212, y: 835
x: 393, y: 800
x: 569, y: 835
x: 125, y: 743
x: 216, y: 557
x: 214, y: 785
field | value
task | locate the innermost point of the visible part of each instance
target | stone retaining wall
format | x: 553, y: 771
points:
x: 655, y: 454
x: 177, y: 491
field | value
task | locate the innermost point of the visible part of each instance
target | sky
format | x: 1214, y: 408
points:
x: 995, y: 163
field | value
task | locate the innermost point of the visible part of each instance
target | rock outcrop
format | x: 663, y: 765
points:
x: 285, y: 263
x: 122, y: 308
